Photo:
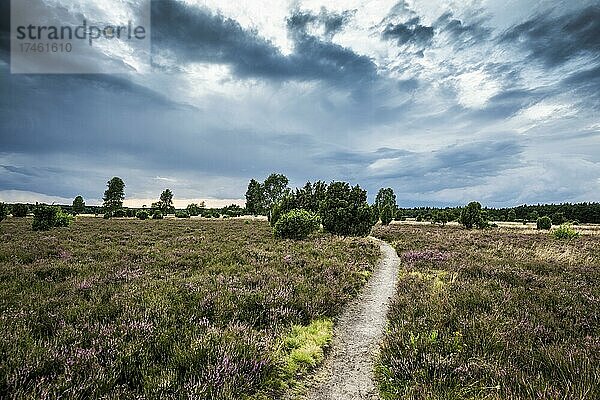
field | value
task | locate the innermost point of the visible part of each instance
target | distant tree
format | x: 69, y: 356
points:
x: 533, y: 216
x: 558, y: 218
x: 512, y: 215
x: 195, y: 209
x: 78, y: 205
x: 142, y: 214
x: 114, y: 195
x: 255, y: 198
x: 386, y: 214
x: 345, y: 210
x: 385, y: 197
x: 440, y: 217
x: 19, y: 210
x: 274, y: 189
x: 472, y: 216
x: 3, y: 211
x: 165, y: 204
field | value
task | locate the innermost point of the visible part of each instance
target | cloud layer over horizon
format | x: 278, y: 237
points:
x: 442, y: 101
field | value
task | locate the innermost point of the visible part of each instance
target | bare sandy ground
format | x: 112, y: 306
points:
x: 348, y: 369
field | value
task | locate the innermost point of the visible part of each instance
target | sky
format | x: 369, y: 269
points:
x: 444, y: 101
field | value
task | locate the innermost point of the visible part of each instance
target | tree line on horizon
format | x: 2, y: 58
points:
x: 273, y: 198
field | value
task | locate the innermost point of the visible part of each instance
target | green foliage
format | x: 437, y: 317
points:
x: 3, y: 211
x: 558, y: 218
x: 345, y: 210
x: 387, y: 214
x: 385, y: 197
x: 78, y: 205
x: 142, y: 214
x: 565, y: 231
x: 47, y: 217
x: 472, y: 216
x: 255, y: 198
x: 107, y: 215
x: 120, y: 213
x: 165, y: 204
x: 195, y: 209
x: 511, y: 216
x: 182, y: 214
x: 157, y: 214
x: 296, y: 224
x: 440, y: 217
x: 20, y: 210
x: 114, y: 195
x: 533, y: 216
x: 544, y: 222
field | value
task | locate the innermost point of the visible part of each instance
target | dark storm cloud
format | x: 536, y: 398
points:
x: 463, y: 34
x: 331, y: 22
x: 196, y: 34
x: 410, y: 32
x: 557, y: 39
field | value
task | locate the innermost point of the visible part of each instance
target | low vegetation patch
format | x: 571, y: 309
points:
x: 296, y: 224
x: 180, y: 308
x: 492, y: 315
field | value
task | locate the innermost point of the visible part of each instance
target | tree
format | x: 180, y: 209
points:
x: 78, y: 205
x: 3, y: 211
x: 385, y: 197
x: 440, y: 217
x: 386, y: 214
x: 274, y: 189
x: 195, y: 209
x: 19, y: 210
x: 114, y: 195
x: 472, y: 216
x: 255, y: 198
x: 165, y: 204
x: 512, y: 215
x: 345, y: 210
x: 558, y: 218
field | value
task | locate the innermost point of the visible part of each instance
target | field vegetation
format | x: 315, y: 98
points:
x: 492, y: 314
x: 177, y: 308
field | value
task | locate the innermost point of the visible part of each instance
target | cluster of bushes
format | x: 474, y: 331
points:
x: 343, y: 209
x: 544, y: 223
x: 142, y: 214
x: 182, y: 214
x: 20, y: 210
x: 48, y: 217
x: 3, y: 211
x: 565, y: 231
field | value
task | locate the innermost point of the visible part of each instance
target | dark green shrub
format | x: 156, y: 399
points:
x: 157, y: 214
x: 287, y: 204
x: 120, y: 213
x: 3, y: 211
x: 107, y: 215
x: 19, y: 210
x: 130, y: 213
x: 565, y: 231
x: 296, y: 224
x: 387, y: 214
x: 182, y: 214
x: 544, y: 222
x: 143, y: 215
x: 48, y: 217
x: 345, y: 210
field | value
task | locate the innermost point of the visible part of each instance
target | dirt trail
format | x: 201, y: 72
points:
x: 347, y: 373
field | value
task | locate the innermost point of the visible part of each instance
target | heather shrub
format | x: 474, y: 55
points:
x: 296, y: 224
x: 544, y: 223
x: 143, y: 215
